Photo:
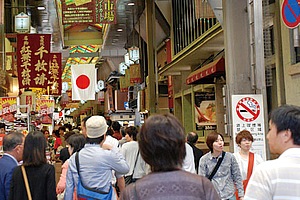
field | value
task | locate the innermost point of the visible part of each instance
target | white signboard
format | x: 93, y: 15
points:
x: 22, y: 23
x: 248, y: 114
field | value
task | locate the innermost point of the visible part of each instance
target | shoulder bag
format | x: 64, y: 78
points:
x: 26, y: 182
x: 217, y: 166
x: 129, y: 178
x: 249, y: 170
x: 88, y: 193
x: 249, y: 173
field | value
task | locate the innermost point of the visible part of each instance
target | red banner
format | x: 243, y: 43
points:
x: 33, y: 60
x: 55, y: 69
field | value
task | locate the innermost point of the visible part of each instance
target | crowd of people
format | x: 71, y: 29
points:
x: 158, y: 161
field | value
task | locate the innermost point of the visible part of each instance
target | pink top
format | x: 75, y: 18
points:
x: 61, y: 185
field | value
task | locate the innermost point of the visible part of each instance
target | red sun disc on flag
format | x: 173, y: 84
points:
x: 82, y: 82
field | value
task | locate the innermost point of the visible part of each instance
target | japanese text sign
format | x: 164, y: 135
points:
x: 55, y: 69
x: 33, y: 60
x: 247, y: 114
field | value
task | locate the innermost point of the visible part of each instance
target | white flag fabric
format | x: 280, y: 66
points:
x: 83, y: 82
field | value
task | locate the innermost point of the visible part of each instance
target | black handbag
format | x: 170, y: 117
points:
x: 129, y: 179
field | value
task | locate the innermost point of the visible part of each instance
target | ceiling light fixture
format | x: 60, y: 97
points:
x: 119, y: 30
x: 41, y: 8
x: 130, y: 4
x: 45, y: 21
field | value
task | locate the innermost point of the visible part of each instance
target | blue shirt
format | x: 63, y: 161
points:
x: 227, y: 176
x: 7, y: 166
x: 96, y: 165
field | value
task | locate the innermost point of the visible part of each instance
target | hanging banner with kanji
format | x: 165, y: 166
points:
x: 55, y: 70
x: 45, y: 108
x: 123, y: 84
x: 135, y: 73
x: 8, y: 108
x: 33, y: 60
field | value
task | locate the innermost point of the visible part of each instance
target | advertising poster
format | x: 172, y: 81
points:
x: 45, y: 108
x: 205, y: 111
x: 8, y: 108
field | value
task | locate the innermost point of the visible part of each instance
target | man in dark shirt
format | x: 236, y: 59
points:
x: 192, y: 139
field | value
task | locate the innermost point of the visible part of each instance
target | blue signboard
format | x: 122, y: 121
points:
x: 126, y: 105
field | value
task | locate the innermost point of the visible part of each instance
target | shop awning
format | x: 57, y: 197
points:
x: 207, y: 73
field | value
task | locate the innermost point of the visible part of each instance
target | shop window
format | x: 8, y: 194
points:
x: 295, y: 45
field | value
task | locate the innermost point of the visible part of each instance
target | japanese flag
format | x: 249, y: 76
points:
x: 83, y: 82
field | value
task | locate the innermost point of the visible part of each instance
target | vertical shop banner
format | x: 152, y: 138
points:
x: 55, y: 70
x: 135, y: 73
x: 8, y: 108
x: 45, y: 108
x: 33, y: 60
x: 248, y: 114
x: 205, y: 111
x: 106, y: 11
x: 123, y: 84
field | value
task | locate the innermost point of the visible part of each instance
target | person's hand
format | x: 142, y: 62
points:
x: 106, y: 146
x: 241, y: 198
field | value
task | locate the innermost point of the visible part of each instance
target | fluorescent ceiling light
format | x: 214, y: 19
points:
x: 130, y: 4
x: 119, y: 30
x: 45, y: 21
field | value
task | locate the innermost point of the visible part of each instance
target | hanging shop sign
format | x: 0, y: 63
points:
x: 55, y: 70
x: 122, y: 67
x: 88, y: 11
x: 33, y: 60
x: 22, y: 23
x: 247, y: 114
x: 135, y: 73
x: 134, y: 54
x: 205, y: 111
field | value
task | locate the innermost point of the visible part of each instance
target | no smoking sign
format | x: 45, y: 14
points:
x: 247, y: 109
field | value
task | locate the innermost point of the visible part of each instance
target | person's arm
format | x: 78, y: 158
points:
x: 118, y: 162
x: 70, y: 182
x: 61, y: 185
x: 237, y: 177
x: 121, y: 183
x: 9, y: 188
x: 51, y: 195
x: 202, y: 168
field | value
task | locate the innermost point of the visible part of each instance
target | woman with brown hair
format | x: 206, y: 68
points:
x: 40, y: 174
x: 246, y: 159
x: 162, y: 145
x: 221, y: 168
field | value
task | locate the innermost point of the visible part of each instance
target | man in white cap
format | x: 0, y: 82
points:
x: 96, y: 161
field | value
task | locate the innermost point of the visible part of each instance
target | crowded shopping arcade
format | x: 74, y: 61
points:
x: 145, y: 99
